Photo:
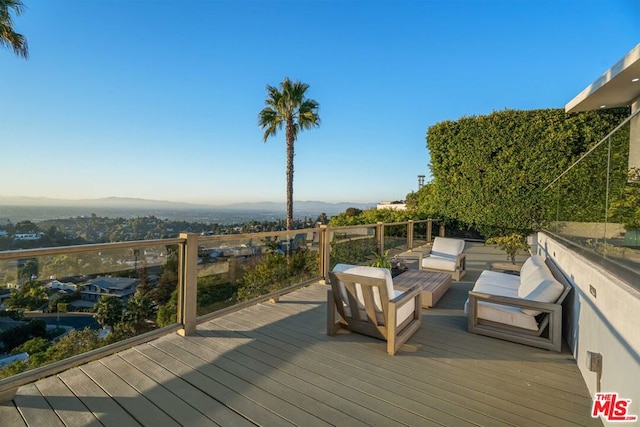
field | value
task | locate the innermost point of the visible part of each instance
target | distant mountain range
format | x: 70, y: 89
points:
x: 145, y: 204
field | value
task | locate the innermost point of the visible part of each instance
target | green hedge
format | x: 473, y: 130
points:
x: 490, y: 171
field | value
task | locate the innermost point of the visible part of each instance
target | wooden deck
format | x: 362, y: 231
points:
x: 273, y: 364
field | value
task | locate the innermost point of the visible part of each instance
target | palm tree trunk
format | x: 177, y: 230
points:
x: 290, y: 142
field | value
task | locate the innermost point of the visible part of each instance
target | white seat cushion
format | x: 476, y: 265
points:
x: 437, y: 262
x: 506, y: 285
x: 506, y: 315
x: 535, y: 283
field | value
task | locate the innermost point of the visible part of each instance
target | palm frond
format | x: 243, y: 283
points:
x: 8, y: 37
x: 17, y: 42
x: 308, y: 114
x: 269, y: 120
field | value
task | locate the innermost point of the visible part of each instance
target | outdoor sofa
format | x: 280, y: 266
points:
x: 526, y: 309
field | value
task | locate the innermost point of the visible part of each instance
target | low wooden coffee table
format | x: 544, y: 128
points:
x: 433, y: 284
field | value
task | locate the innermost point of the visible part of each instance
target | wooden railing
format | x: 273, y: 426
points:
x: 187, y: 319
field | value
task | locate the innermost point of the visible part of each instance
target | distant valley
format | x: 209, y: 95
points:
x: 40, y: 208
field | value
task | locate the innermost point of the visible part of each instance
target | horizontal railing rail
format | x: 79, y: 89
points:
x: 76, y: 249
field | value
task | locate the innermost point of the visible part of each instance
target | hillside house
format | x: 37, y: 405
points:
x: 119, y: 287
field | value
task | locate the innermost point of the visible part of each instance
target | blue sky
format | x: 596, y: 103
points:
x: 159, y: 99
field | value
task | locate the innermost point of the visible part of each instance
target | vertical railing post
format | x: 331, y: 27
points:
x: 188, y: 285
x: 410, y: 235
x: 380, y: 237
x: 429, y: 225
x: 324, y: 255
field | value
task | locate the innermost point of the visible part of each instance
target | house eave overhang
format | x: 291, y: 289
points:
x: 614, y: 88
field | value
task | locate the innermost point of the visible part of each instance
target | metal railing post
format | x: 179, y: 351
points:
x: 325, y: 250
x: 188, y: 286
x: 380, y: 236
x: 410, y: 235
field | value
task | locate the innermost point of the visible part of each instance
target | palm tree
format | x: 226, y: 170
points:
x: 290, y: 107
x: 108, y: 310
x: 8, y: 37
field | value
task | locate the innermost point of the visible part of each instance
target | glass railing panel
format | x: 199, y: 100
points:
x: 62, y: 302
x: 395, y: 239
x: 420, y: 234
x: 596, y: 204
x: 234, y: 269
x: 357, y: 245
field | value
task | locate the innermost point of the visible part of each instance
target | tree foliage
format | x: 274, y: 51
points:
x: 353, y: 216
x: 136, y: 314
x: 167, y: 313
x: 357, y: 251
x: 108, y: 310
x: 512, y: 244
x: 33, y: 346
x: 13, y: 337
x: 275, y: 271
x: 78, y: 341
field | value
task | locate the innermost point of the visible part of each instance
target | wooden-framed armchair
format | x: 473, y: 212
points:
x: 446, y: 256
x: 381, y: 312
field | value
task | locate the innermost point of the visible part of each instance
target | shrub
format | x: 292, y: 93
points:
x: 275, y: 271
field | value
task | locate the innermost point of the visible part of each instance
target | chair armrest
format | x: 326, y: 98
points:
x: 547, y: 307
x: 406, y: 296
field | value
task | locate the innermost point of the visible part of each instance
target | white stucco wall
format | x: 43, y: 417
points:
x: 608, y: 323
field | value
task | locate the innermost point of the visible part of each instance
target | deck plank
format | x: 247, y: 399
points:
x: 10, y: 416
x: 176, y: 408
x: 103, y: 407
x: 254, y: 391
x: 213, y: 409
x: 257, y: 372
x: 376, y: 393
x: 34, y: 408
x: 374, y: 371
x: 126, y: 396
x: 315, y: 386
x: 69, y: 408
x: 251, y: 410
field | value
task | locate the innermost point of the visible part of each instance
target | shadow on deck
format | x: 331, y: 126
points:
x: 273, y: 364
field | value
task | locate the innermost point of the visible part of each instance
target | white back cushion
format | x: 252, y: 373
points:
x: 361, y: 270
x: 539, y: 285
x: 532, y: 264
x: 447, y: 246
